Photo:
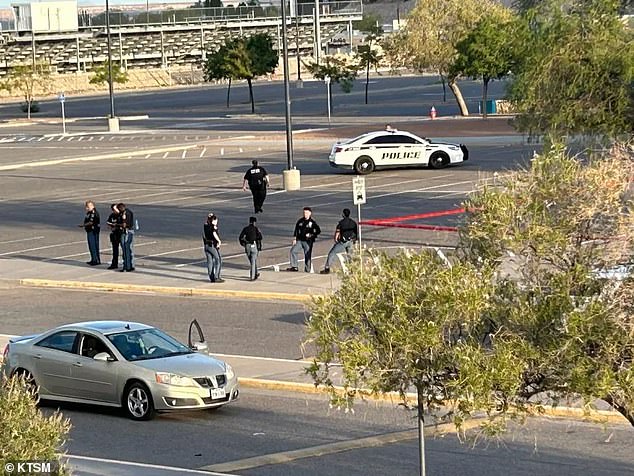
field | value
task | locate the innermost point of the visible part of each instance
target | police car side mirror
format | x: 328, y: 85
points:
x: 200, y: 347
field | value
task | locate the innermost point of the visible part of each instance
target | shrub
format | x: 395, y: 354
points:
x: 27, y: 434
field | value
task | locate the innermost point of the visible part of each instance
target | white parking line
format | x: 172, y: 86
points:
x: 184, y: 154
x: 136, y: 245
x: 156, y: 467
x: 23, y: 239
x: 42, y: 248
x: 202, y: 154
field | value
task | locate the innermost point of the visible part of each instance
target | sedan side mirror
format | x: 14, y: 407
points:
x: 201, y: 347
x: 104, y: 357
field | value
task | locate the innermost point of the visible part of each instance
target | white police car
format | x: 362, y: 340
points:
x: 393, y: 148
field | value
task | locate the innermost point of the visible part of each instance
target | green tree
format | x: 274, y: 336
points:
x: 368, y: 23
x: 25, y: 433
x: 339, y: 69
x: 100, y: 74
x: 434, y: 28
x: 517, y: 318
x: 369, y: 54
x: 577, y: 72
x: 216, y: 66
x: 243, y: 58
x: 485, y: 53
x: 28, y: 81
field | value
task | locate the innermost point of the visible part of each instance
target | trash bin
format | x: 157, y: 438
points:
x: 490, y: 106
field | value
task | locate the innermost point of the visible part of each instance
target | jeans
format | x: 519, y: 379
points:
x: 93, y: 245
x: 115, y: 239
x: 307, y: 248
x: 214, y: 262
x: 339, y: 247
x: 127, y: 239
x: 252, y: 254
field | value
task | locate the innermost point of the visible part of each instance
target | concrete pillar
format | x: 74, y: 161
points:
x: 113, y: 124
x: 291, y: 179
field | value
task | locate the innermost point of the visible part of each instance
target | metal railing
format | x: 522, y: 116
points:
x: 210, y: 15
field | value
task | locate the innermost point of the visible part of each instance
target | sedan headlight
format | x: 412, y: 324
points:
x: 229, y: 372
x: 173, y: 379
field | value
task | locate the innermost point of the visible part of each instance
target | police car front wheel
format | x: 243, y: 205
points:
x: 364, y: 165
x: 438, y: 160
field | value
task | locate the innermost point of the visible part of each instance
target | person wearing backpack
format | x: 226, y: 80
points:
x: 128, y: 225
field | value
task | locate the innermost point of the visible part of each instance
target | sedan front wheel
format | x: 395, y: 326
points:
x: 137, y: 402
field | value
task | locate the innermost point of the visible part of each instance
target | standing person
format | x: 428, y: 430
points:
x: 251, y: 239
x: 93, y: 227
x: 257, y: 179
x: 345, y: 236
x: 306, y: 232
x: 114, y: 222
x: 211, y: 240
x: 127, y: 237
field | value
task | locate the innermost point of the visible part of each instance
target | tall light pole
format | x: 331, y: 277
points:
x: 113, y: 122
x: 291, y: 174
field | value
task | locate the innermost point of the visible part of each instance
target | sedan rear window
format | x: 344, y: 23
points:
x: 63, y: 341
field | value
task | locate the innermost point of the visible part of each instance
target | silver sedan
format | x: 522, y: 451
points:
x: 121, y: 364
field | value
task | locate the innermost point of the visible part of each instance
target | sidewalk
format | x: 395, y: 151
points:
x: 175, y: 281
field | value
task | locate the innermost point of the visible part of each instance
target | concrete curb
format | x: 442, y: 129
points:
x: 118, y: 155
x: 601, y: 416
x: 179, y: 291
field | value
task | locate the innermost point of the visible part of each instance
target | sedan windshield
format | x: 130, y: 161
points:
x: 147, y: 344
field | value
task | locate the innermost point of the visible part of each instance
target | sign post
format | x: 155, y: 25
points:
x: 358, y: 198
x: 327, y: 81
x: 62, y: 100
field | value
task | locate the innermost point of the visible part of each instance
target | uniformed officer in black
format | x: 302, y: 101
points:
x: 257, y: 179
x: 251, y: 239
x: 93, y: 227
x: 114, y: 222
x: 345, y: 236
x: 306, y: 232
x: 211, y: 241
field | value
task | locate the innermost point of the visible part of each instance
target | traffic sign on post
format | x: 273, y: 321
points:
x: 62, y: 98
x: 358, y: 190
x: 358, y: 198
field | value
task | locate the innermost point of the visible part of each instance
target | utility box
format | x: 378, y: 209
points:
x: 46, y: 17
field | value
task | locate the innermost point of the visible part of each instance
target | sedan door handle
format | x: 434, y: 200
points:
x: 77, y: 364
x: 37, y: 356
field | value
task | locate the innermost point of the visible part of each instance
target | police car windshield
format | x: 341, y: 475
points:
x: 147, y: 344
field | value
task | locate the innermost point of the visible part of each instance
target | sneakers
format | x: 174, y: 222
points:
x: 112, y: 266
x: 256, y: 277
x: 325, y: 271
x: 292, y: 269
x: 219, y: 280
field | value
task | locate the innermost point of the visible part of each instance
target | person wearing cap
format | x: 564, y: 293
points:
x: 211, y: 242
x: 251, y: 239
x: 306, y: 232
x: 257, y: 179
x: 345, y: 236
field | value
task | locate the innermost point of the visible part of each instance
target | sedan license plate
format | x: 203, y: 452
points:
x: 216, y: 393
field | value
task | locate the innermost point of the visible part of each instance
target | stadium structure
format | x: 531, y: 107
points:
x: 72, y: 39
